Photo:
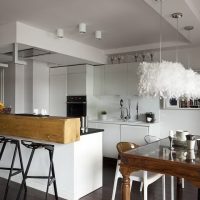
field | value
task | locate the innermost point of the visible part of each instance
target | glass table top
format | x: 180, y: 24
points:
x: 161, y: 150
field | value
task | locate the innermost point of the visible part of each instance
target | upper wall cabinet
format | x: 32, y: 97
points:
x: 116, y: 79
x: 76, y: 80
x: 132, y: 79
x: 99, y: 77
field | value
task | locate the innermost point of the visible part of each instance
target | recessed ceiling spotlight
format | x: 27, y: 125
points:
x: 59, y: 33
x: 82, y: 28
x: 98, y: 35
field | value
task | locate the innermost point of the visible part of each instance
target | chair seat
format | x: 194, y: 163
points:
x: 138, y: 176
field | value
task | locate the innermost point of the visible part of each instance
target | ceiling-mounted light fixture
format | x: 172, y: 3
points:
x: 98, y: 35
x: 60, y: 33
x: 82, y: 28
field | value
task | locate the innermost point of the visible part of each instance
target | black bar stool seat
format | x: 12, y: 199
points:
x: 12, y: 170
x: 51, y: 176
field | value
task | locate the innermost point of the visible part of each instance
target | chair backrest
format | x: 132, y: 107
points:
x: 125, y: 146
x: 150, y: 138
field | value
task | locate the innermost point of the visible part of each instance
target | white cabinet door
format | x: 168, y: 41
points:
x: 116, y: 79
x: 133, y: 79
x: 76, y: 80
x: 99, y: 76
x: 111, y: 136
x: 58, y: 91
x: 134, y: 134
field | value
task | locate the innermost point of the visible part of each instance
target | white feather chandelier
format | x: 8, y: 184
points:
x: 168, y: 80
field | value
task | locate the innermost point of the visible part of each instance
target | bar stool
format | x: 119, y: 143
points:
x: 12, y: 171
x: 51, y: 176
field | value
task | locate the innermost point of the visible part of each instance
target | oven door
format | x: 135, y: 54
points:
x: 76, y: 109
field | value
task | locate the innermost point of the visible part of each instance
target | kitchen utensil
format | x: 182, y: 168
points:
x: 198, y: 144
x: 191, y: 144
x: 181, y: 135
x: 190, y: 137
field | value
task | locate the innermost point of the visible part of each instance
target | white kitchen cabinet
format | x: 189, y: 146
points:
x: 76, y: 80
x: 134, y: 134
x: 115, y: 79
x: 99, y: 76
x: 133, y: 79
x: 58, y: 91
x: 111, y: 136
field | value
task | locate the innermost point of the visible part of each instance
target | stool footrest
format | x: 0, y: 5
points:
x: 40, y: 177
x: 8, y: 168
x: 17, y: 172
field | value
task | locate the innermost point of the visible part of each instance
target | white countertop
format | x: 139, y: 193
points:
x: 121, y: 122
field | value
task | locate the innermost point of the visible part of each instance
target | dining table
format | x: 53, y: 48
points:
x: 161, y: 157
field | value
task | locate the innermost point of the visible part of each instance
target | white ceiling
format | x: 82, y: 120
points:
x: 124, y: 23
x: 127, y: 25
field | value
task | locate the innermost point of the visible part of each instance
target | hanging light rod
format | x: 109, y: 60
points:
x: 188, y: 28
x: 177, y: 15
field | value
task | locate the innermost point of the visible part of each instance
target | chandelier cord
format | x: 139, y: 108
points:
x: 177, y: 26
x: 161, y: 15
x: 189, y: 37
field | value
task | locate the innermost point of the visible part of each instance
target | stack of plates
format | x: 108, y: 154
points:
x: 179, y: 143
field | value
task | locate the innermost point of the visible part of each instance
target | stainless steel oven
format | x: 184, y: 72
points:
x: 76, y: 106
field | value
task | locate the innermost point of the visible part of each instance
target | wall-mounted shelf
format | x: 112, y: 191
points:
x: 180, y: 104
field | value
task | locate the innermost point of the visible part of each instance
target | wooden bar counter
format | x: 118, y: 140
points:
x: 53, y: 129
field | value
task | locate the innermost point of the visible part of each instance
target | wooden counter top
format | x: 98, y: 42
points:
x: 52, y: 129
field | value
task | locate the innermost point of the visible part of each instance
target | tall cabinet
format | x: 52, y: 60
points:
x: 69, y: 81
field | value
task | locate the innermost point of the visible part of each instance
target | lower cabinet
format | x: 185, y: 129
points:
x: 114, y: 133
x: 134, y: 134
x: 111, y: 136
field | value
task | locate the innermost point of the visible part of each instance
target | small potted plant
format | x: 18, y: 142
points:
x: 103, y: 115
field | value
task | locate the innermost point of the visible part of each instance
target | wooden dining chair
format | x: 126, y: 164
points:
x: 146, y: 178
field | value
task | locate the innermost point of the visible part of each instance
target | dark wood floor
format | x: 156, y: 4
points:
x: 104, y: 193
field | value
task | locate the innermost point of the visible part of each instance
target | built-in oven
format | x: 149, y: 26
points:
x: 76, y: 106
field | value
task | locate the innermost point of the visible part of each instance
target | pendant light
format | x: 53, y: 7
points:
x: 188, y: 29
x: 162, y: 78
x: 177, y: 16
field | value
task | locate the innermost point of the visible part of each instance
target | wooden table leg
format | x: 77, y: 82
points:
x: 179, y: 192
x: 126, y: 188
x: 198, y: 197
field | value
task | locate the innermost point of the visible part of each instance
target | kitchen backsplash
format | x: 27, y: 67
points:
x: 111, y: 104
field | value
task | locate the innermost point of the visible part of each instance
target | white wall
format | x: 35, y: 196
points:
x: 9, y: 90
x: 14, y: 87
x: 19, y: 88
x: 179, y: 120
x: 58, y: 91
x: 40, y: 86
x: 28, y: 87
x: 111, y: 104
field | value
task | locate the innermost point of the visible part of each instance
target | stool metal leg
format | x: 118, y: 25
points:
x: 21, y: 163
x: 53, y: 178
x: 49, y: 176
x: 10, y: 173
x: 54, y: 183
x: 2, y: 149
x: 25, y: 175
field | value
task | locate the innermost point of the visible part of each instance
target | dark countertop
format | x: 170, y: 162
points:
x: 91, y: 131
